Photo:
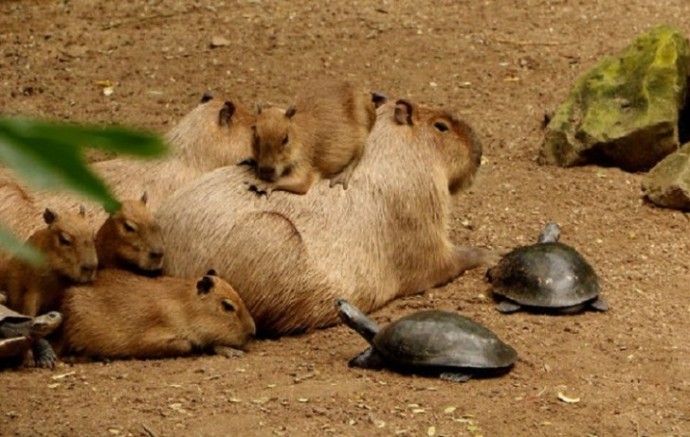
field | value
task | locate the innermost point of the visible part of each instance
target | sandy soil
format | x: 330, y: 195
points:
x: 500, y: 64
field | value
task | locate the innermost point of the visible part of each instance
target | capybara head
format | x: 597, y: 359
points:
x: 130, y: 238
x: 222, y: 318
x: 68, y: 245
x: 454, y: 139
x: 273, y: 147
x: 214, y: 134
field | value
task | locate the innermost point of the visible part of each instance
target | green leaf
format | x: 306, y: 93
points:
x: 49, y: 156
x: 13, y: 246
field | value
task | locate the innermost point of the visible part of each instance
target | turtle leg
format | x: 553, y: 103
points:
x: 507, y: 307
x: 455, y: 376
x: 599, y: 304
x: 44, y: 354
x: 369, y: 359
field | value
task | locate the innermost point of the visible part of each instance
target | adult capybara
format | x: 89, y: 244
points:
x: 130, y: 239
x: 214, y: 134
x: 67, y: 243
x: 290, y: 256
x: 123, y: 315
x: 322, y: 135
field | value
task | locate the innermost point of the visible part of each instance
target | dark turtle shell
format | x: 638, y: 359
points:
x: 547, y: 275
x: 442, y: 339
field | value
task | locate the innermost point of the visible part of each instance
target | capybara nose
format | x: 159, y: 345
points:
x: 267, y: 174
x: 156, y: 255
x: 88, y: 271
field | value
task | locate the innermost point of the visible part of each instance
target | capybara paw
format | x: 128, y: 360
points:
x: 250, y: 162
x: 473, y: 257
x: 227, y: 351
x: 341, y: 179
x: 258, y: 188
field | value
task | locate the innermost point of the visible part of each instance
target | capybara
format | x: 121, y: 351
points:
x: 123, y: 315
x: 290, y: 256
x: 215, y: 134
x: 321, y: 136
x: 67, y: 243
x: 130, y: 239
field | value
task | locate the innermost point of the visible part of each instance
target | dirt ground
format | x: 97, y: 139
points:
x: 500, y: 64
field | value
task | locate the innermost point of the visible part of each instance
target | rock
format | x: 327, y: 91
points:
x: 668, y: 183
x: 219, y: 41
x: 624, y: 110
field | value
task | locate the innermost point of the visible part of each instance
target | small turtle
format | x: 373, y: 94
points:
x: 548, y: 277
x: 441, y: 343
x: 19, y: 333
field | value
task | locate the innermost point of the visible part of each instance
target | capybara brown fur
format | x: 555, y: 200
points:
x: 123, y: 315
x: 290, y: 256
x: 214, y: 134
x: 130, y: 239
x: 321, y: 136
x: 68, y: 247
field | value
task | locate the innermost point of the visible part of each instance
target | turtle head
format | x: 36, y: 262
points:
x: 357, y: 320
x: 45, y: 324
x: 550, y: 234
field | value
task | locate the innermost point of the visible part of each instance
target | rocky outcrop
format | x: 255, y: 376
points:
x: 624, y: 110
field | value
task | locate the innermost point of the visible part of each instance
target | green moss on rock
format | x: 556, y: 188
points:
x: 624, y: 110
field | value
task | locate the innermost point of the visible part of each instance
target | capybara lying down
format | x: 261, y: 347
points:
x: 123, y: 315
x: 290, y: 257
x: 214, y: 134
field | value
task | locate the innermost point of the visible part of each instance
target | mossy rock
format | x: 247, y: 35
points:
x: 668, y: 183
x: 624, y: 110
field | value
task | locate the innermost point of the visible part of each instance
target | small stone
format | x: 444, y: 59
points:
x: 668, y: 183
x: 219, y: 41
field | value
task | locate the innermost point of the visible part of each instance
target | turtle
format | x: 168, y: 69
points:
x: 19, y: 333
x: 433, y: 342
x: 548, y: 277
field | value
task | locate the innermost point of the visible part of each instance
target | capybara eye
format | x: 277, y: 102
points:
x: 129, y: 227
x: 65, y: 239
x: 229, y: 306
x: 285, y: 140
x: 441, y: 127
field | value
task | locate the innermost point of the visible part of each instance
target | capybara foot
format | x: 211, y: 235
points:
x: 227, y: 351
x: 342, y: 178
x: 249, y: 162
x: 259, y: 188
x: 467, y: 258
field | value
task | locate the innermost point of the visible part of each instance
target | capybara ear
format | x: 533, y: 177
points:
x: 145, y: 197
x: 206, y: 97
x: 226, y: 113
x: 290, y: 111
x: 82, y: 211
x: 212, y: 272
x: 49, y: 216
x: 378, y: 99
x: 403, y: 112
x: 204, y: 285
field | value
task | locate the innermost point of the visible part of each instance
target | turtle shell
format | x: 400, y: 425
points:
x: 442, y: 339
x: 7, y: 315
x: 14, y: 347
x: 548, y: 275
